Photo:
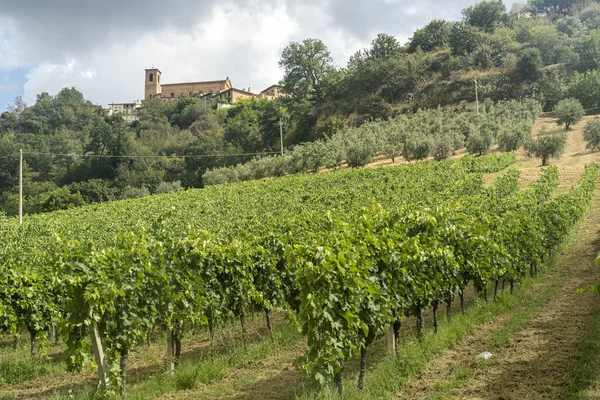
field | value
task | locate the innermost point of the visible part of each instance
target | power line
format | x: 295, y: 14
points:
x: 140, y: 156
x: 560, y: 115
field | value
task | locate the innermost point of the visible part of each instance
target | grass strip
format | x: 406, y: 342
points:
x: 583, y: 380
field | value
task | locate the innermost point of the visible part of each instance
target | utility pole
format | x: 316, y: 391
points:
x: 21, y: 187
x: 281, y: 133
x: 476, y: 96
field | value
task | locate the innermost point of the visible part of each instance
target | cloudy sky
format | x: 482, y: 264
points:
x: 103, y: 47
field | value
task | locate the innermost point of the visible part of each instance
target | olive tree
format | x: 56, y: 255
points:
x: 479, y: 142
x: 568, y: 112
x: 591, y: 134
x: 547, y: 145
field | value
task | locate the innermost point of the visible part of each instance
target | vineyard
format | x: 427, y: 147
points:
x: 345, y: 256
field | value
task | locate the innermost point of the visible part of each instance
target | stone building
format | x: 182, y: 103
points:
x: 222, y: 90
x: 272, y: 92
x: 129, y: 111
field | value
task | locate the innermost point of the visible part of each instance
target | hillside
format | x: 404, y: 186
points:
x: 541, y: 337
x: 76, y: 154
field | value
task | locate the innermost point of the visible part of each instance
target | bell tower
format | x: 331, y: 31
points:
x: 152, y: 83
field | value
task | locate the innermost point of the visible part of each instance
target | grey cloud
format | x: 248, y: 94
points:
x: 51, y: 30
x: 366, y: 18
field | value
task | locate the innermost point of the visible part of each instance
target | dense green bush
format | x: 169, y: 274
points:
x: 168, y: 187
x: 62, y: 199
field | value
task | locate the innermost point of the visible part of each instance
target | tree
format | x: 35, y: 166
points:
x: 568, y: 112
x: 479, y: 142
x: 553, y: 8
x: 435, y: 34
x: 9, y: 166
x: 513, y: 136
x: 383, y: 47
x: 443, y: 147
x: 569, y: 25
x: 586, y: 89
x: 529, y: 64
x: 306, y: 66
x: 591, y: 134
x: 463, y: 38
x: 18, y: 107
x: 62, y: 199
x: 418, y: 147
x: 547, y: 145
x: 590, y: 51
x: 486, y: 15
x: 590, y: 16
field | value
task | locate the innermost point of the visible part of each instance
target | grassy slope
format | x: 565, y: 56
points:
x: 547, y: 339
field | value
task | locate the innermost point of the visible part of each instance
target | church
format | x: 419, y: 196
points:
x: 220, y: 91
x: 223, y: 90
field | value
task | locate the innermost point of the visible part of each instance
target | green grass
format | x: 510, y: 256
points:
x: 192, y: 374
x: 18, y: 366
x: 584, y: 382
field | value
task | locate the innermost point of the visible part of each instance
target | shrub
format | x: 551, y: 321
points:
x: 62, y: 199
x: 568, y: 112
x: 358, y: 154
x: 94, y: 190
x: 131, y: 192
x: 361, y: 144
x: 548, y: 145
x: 168, y: 187
x: 308, y: 156
x: 336, y: 152
x: 392, y: 143
x: 219, y: 176
x: 591, y: 134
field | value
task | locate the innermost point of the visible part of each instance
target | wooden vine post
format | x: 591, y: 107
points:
x: 391, y: 340
x: 98, y: 354
x: 170, y: 352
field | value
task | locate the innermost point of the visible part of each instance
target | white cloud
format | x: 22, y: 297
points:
x: 104, y: 55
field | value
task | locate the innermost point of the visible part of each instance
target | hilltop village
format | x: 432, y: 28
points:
x: 221, y: 91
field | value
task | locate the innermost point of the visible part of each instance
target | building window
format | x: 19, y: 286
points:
x: 172, y: 94
x: 151, y: 77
